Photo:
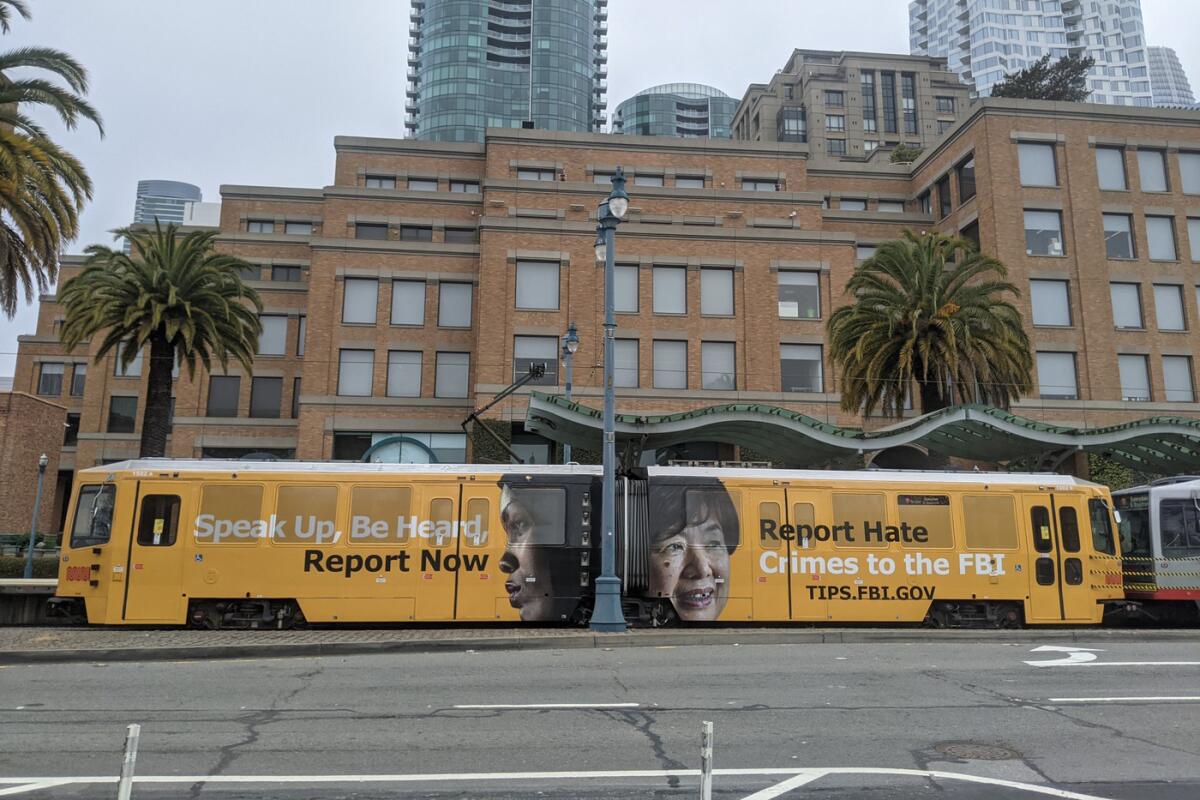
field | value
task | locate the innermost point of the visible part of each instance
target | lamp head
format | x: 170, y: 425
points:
x: 571, y: 340
x: 44, y: 461
x: 618, y: 201
x: 601, y: 246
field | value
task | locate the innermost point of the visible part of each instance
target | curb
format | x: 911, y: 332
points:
x: 588, y: 640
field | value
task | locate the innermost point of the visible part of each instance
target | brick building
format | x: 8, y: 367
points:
x: 29, y: 427
x: 428, y: 275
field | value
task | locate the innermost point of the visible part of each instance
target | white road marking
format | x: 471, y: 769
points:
x: 778, y: 789
x: 1074, y: 655
x: 32, y: 787
x: 549, y: 705
x: 1134, y: 664
x: 1182, y: 699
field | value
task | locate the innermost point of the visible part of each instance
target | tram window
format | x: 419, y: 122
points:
x: 1073, y: 571
x: 990, y: 522
x: 230, y: 513
x: 306, y: 515
x: 1039, y: 518
x: 1179, y: 521
x: 159, y: 521
x: 931, y: 512
x: 441, y: 514
x: 1135, y: 525
x: 769, y: 513
x: 381, y: 515
x: 804, y: 514
x: 1102, y: 534
x: 860, y: 510
x: 534, y: 515
x: 1044, y: 570
x: 93, y: 515
x: 1068, y: 522
x: 475, y: 522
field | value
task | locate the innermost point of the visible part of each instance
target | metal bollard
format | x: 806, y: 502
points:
x: 706, y: 760
x: 125, y: 787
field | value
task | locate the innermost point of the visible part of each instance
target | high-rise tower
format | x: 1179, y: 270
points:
x: 676, y: 109
x: 1168, y: 80
x: 985, y: 42
x: 478, y: 64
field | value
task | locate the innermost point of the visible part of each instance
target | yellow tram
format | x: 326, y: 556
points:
x: 270, y: 544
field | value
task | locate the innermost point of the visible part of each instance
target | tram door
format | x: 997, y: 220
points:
x: 154, y: 567
x: 807, y: 602
x: 437, y: 512
x: 765, y: 526
x: 1079, y: 602
x: 1047, y: 579
x: 480, y: 548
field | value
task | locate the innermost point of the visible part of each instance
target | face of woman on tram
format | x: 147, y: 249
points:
x: 689, y: 560
x: 523, y: 560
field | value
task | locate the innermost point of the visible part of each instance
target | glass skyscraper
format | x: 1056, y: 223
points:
x: 478, y: 64
x: 165, y: 201
x: 984, y: 40
x: 676, y: 109
x: 1168, y: 80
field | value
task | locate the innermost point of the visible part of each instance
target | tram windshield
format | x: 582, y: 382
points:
x: 93, y: 515
x: 1179, y: 521
x: 1134, y: 526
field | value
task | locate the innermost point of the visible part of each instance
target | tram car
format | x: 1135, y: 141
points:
x: 273, y: 544
x: 1159, y: 531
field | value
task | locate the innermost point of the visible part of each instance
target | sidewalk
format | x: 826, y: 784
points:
x: 28, y: 645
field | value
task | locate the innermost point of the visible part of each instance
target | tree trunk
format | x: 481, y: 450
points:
x: 932, y: 398
x: 156, y: 419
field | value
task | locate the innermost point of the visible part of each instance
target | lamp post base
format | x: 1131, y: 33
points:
x: 607, y: 616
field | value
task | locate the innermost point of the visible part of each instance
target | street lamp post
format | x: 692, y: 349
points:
x: 570, y: 343
x: 607, y: 616
x: 37, y: 504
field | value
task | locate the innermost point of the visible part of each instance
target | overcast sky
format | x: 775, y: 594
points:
x: 253, y: 91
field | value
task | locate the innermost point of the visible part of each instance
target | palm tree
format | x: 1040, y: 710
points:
x: 929, y: 309
x: 174, y: 294
x: 42, y: 187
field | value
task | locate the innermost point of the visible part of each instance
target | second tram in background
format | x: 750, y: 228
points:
x: 1159, y: 526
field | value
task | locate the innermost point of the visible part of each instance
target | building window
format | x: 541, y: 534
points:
x: 670, y: 365
x: 966, y: 180
x: 416, y: 233
x: 371, y: 230
x: 1168, y: 307
x: 647, y: 180
x: 891, y: 207
x: 360, y: 300
x: 800, y: 368
x: 461, y: 236
x: 908, y: 92
x: 835, y: 122
x: 286, y: 274
x: 945, y: 105
x: 670, y: 290
x: 944, y: 125
x: 380, y: 182
x: 1193, y: 227
x: 50, y: 379
x: 408, y: 302
x: 799, y: 295
x: 250, y: 273
x: 625, y: 289
x: 298, y: 228
x: 422, y: 184
x: 1110, y: 167
x: 1051, y: 303
x: 451, y: 371
x: 223, y: 391
x: 759, y: 186
x: 689, y: 182
x: 122, y: 414
x: 716, y: 292
x: 835, y: 98
x: 867, y: 87
x: 1160, y: 238
x: 853, y: 205
x: 404, y: 373
x: 717, y: 366
x: 1126, y: 305
x: 536, y: 174
x: 836, y: 147
x: 1135, y: 378
x: 925, y: 203
x: 1153, y: 169
x: 1056, y: 376
x: 464, y: 187
x: 266, y: 397
x: 887, y: 88
x: 301, y: 334
x: 296, y: 399
x: 625, y: 363
x: 1037, y: 165
x: 78, y: 380
x: 534, y: 350
x: 356, y: 372
x: 864, y: 251
x: 260, y: 226
x: 1043, y: 233
x: 71, y: 435
x: 945, y: 201
x: 1118, y: 235
x: 602, y: 178
x: 273, y: 340
x: 537, y: 285
x: 792, y: 124
x: 454, y: 305
x: 133, y: 370
x: 1177, y: 379
x: 1189, y: 172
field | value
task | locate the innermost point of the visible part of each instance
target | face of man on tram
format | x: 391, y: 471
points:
x: 526, y: 562
x: 697, y: 531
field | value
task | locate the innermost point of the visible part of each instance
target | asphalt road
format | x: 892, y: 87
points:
x: 916, y: 714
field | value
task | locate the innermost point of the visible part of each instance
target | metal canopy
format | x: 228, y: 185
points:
x: 1155, y: 444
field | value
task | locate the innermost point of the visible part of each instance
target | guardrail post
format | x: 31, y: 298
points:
x: 125, y: 787
x: 706, y: 760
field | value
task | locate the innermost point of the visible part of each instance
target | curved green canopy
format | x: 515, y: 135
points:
x: 1156, y: 444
